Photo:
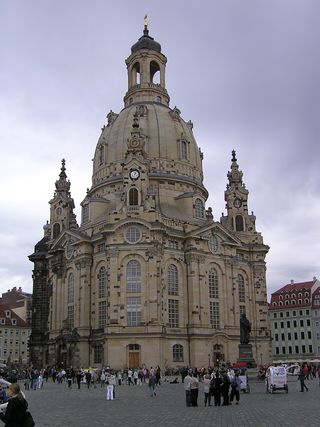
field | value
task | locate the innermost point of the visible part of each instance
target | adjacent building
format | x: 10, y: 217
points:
x: 14, y: 336
x: 148, y: 276
x: 294, y: 314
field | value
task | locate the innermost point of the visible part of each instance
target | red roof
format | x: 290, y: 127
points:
x: 292, y: 295
x: 4, y: 309
x: 295, y: 287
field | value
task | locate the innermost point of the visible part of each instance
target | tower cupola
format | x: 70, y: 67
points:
x: 146, y: 72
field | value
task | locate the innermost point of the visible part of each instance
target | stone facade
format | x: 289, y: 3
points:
x: 149, y: 276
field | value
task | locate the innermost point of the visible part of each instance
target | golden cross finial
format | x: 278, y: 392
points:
x: 145, y: 20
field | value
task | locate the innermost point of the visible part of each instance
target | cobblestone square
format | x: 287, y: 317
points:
x: 57, y: 406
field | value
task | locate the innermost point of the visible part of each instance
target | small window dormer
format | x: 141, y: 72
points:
x: 8, y: 313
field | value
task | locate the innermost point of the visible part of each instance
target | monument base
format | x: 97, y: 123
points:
x: 245, y: 355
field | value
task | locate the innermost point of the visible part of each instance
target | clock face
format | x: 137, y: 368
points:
x: 134, y: 174
x: 237, y: 203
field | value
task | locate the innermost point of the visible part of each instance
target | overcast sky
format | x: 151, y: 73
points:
x: 245, y: 72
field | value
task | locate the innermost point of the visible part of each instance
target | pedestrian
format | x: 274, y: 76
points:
x: 301, y: 378
x: 216, y: 388
x: 152, y: 385
x: 69, y: 378
x: 187, y: 384
x: 235, y: 388
x: 225, y: 389
x: 15, y: 413
x: 194, y: 389
x: 79, y: 378
x: 206, y: 389
x: 88, y: 378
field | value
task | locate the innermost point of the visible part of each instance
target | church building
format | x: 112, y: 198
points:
x: 148, y: 276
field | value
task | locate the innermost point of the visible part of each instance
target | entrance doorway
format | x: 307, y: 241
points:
x: 134, y: 356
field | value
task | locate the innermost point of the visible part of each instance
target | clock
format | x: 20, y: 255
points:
x: 134, y: 174
x: 237, y: 203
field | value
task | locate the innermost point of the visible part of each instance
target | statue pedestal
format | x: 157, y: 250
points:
x: 245, y: 355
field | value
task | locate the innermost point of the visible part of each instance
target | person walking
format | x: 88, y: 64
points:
x: 79, y: 377
x: 187, y: 384
x: 235, y: 388
x: 206, y: 389
x: 225, y: 389
x: 216, y: 387
x: 301, y: 378
x: 152, y: 385
x: 194, y: 389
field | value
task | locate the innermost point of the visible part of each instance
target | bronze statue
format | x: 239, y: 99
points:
x: 245, y: 329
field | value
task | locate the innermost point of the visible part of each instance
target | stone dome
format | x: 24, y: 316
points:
x: 166, y: 135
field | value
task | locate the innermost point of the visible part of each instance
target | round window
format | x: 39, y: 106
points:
x: 133, y: 235
x: 213, y: 244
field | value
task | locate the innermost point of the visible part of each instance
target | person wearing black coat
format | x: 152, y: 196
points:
x: 15, y: 413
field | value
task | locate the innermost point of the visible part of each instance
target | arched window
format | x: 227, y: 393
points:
x: 274, y: 304
x: 133, y: 197
x: 71, y: 288
x: 136, y: 74
x: 242, y: 293
x: 184, y: 150
x: 154, y: 72
x: 213, y: 283
x: 56, y: 230
x: 286, y: 302
x: 102, y: 276
x: 239, y: 223
x: 133, y: 276
x: 280, y: 303
x: 199, y: 208
x: 177, y: 353
x: 173, y: 283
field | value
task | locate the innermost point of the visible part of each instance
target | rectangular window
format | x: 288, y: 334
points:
x: 282, y: 337
x: 295, y: 323
x: 172, y: 244
x: 307, y: 312
x: 303, y: 349
x: 296, y: 349
x: 302, y: 335
x: 70, y: 317
x: 289, y: 336
x: 281, y: 314
x: 308, y: 322
x: 173, y: 309
x: 296, y: 335
x: 290, y: 349
x: 294, y: 313
x: 134, y: 311
x: 85, y: 213
x: 276, y: 337
x: 275, y: 325
x: 310, y: 348
x: 102, y: 314
x: 275, y: 315
x: 98, y: 352
x: 214, y: 315
x: 282, y: 324
x: 288, y: 323
x: 283, y: 350
x: 309, y: 335
x: 277, y: 350
x: 300, y: 313
x: 287, y: 313
x: 301, y: 322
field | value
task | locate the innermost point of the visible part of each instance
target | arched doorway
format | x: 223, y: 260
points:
x: 218, y: 355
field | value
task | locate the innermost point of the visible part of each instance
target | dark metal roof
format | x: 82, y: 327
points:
x: 146, y: 42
